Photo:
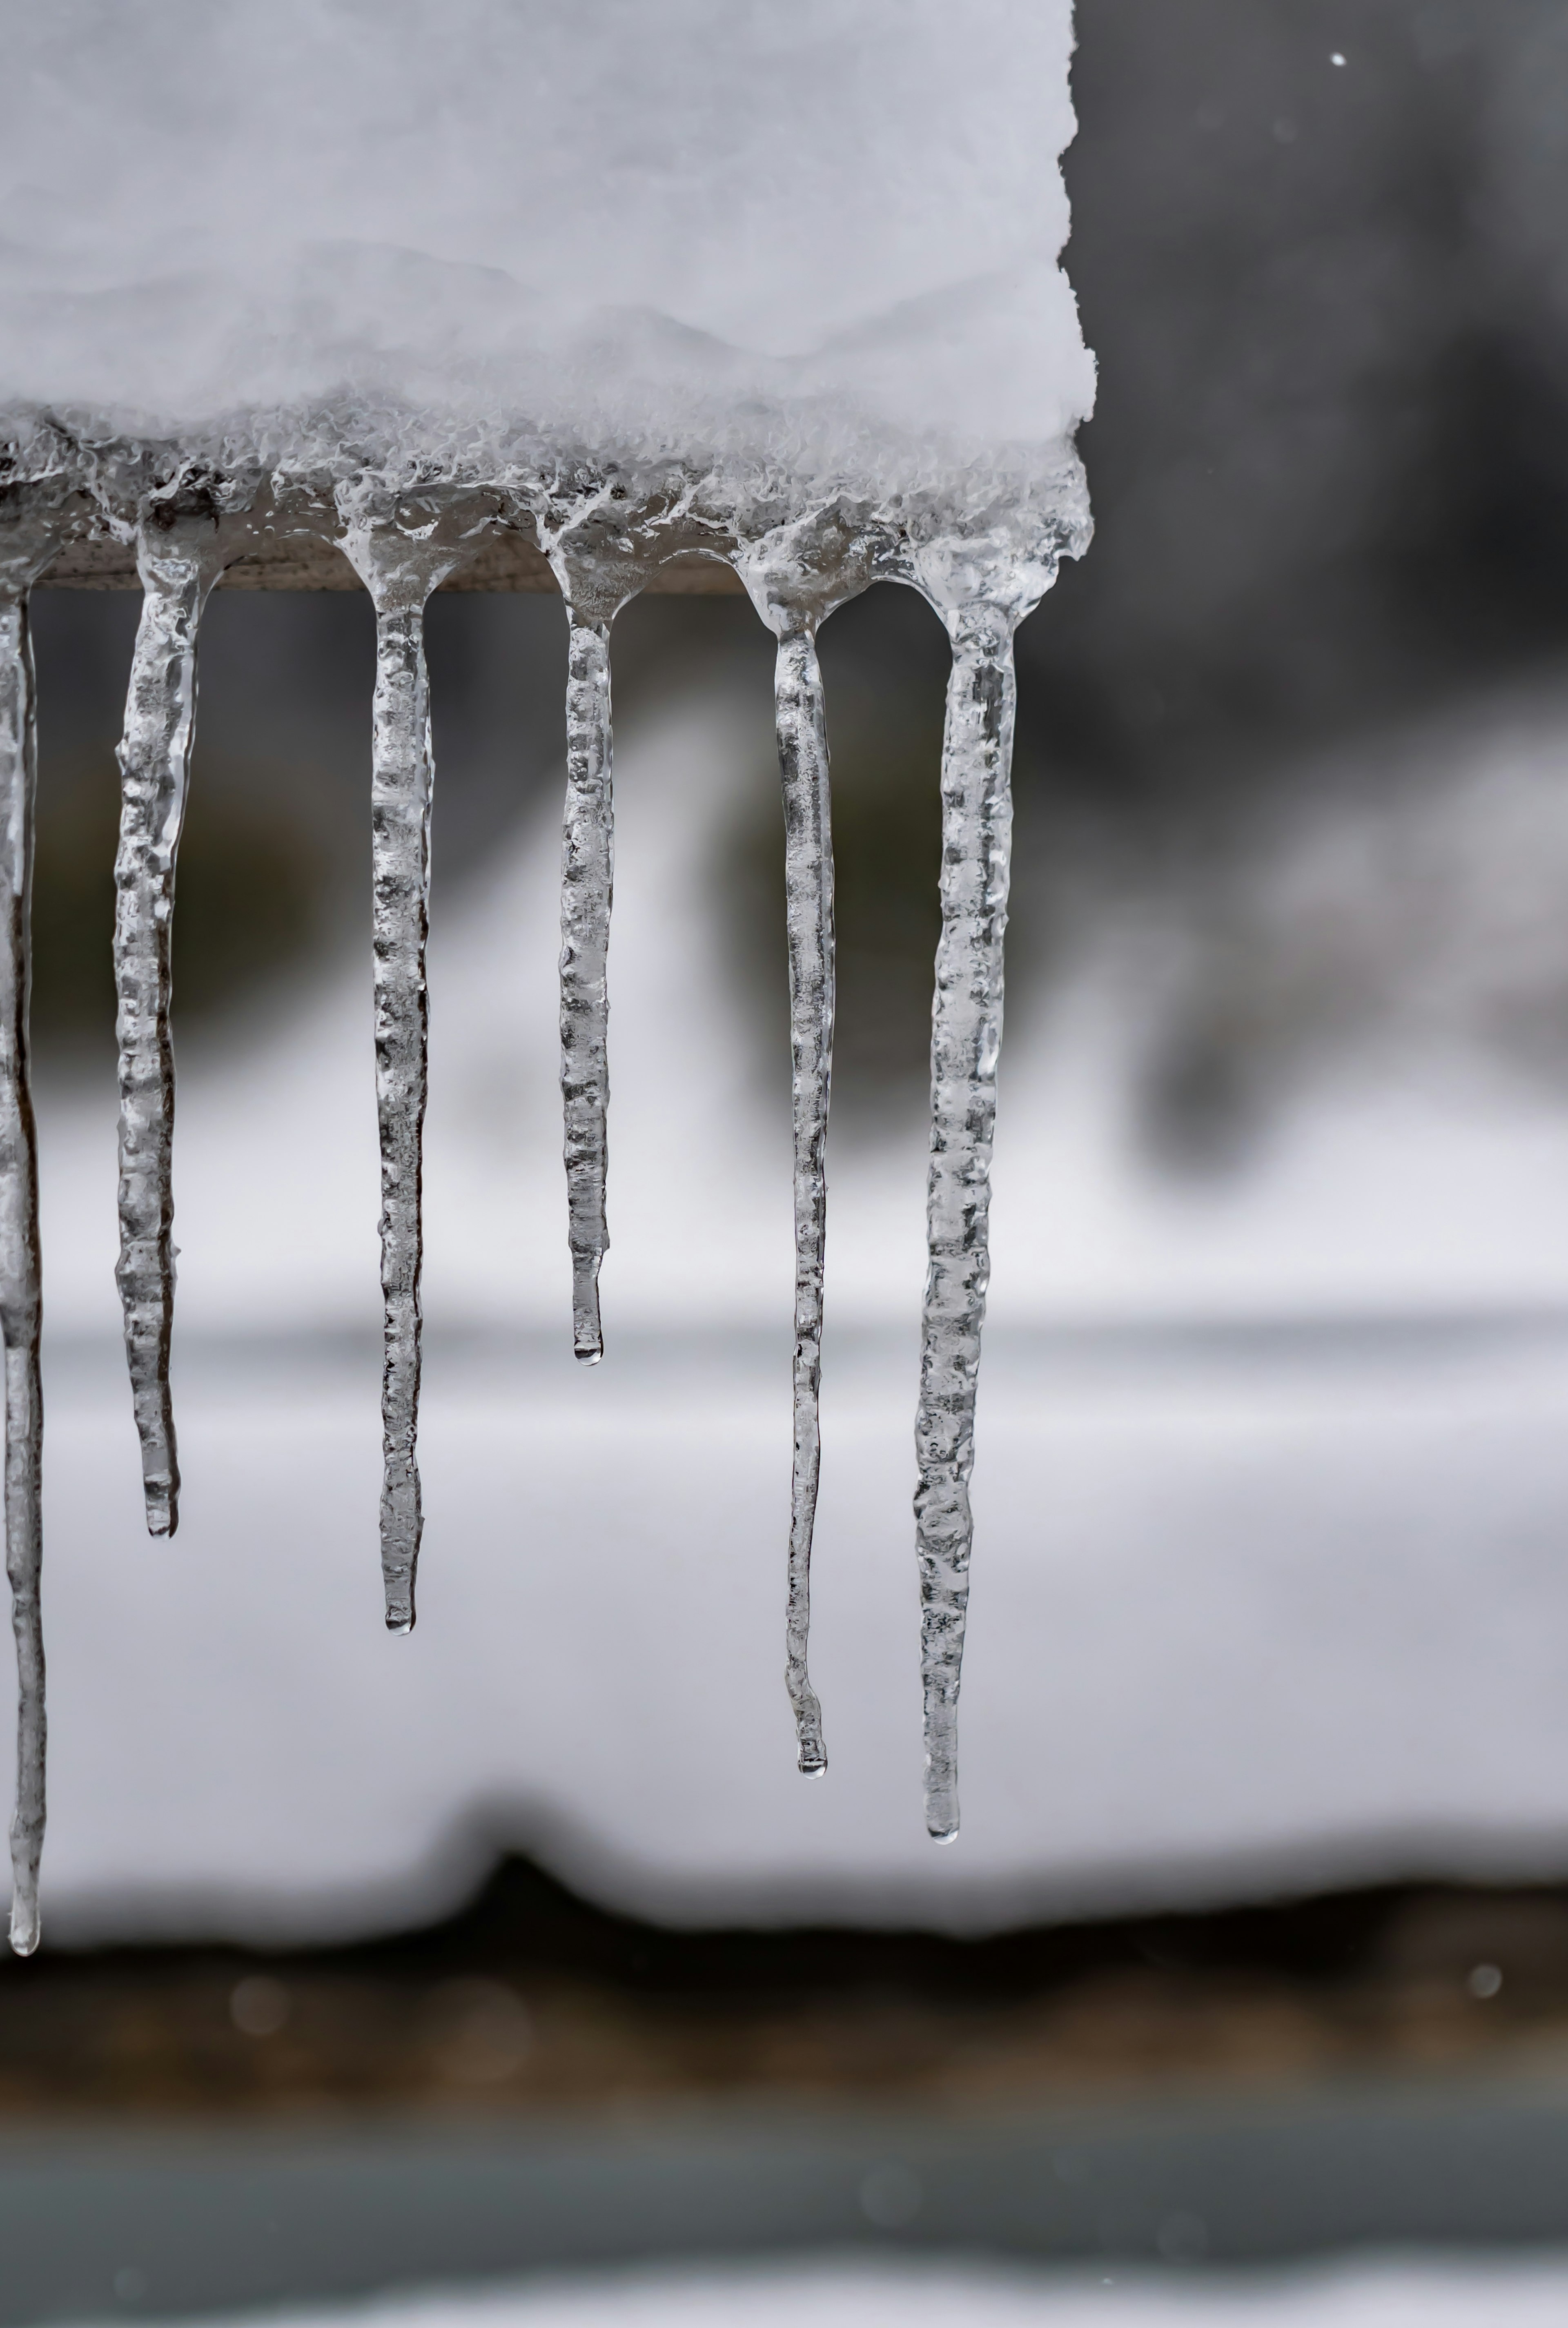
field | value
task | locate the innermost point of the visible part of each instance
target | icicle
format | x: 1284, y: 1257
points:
x: 588, y: 885
x: 400, y: 567
x: 596, y: 581
x: 802, y: 751
x: 796, y: 574
x: 602, y: 550
x: 179, y: 557
x: 20, y: 1286
x: 966, y: 1037
x: 400, y: 874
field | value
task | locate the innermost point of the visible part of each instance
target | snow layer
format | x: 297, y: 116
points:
x: 836, y: 221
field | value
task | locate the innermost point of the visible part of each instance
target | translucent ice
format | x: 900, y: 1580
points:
x: 182, y: 544
x: 587, y: 889
x: 27, y: 541
x: 965, y: 1042
x: 802, y: 742
x: 796, y: 575
x: 401, y: 556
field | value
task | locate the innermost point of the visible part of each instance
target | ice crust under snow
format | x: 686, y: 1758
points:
x: 827, y: 231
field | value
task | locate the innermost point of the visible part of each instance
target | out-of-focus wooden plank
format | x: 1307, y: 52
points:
x: 505, y: 561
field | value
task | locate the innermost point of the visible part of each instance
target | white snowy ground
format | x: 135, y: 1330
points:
x: 1383, y: 2295
x: 1249, y: 1607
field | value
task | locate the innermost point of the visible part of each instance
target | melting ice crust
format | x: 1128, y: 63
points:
x: 407, y: 503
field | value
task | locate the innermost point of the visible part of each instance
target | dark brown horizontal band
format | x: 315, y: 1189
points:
x: 505, y: 561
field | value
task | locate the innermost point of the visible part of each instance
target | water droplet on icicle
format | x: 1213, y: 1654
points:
x: 402, y: 559
x: 965, y: 1041
x: 180, y: 554
x: 24, y: 550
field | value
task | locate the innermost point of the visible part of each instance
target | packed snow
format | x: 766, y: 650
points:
x: 830, y: 223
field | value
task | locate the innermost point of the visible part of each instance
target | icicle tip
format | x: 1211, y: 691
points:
x: 23, y: 1928
x: 941, y: 1806
x: 587, y: 1328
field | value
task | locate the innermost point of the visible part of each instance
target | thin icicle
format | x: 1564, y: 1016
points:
x: 20, y: 1278
x: 796, y: 575
x: 587, y: 885
x: 803, y: 751
x: 179, y: 560
x: 965, y: 1039
x: 402, y: 559
x: 400, y: 786
x: 602, y: 549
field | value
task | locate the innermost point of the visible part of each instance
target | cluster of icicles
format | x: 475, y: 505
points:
x: 604, y: 529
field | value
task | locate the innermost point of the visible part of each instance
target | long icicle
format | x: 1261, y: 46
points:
x: 400, y: 792
x: 965, y: 1039
x: 178, y: 566
x: 401, y: 555
x: 20, y: 1268
x: 803, y: 751
x: 587, y: 885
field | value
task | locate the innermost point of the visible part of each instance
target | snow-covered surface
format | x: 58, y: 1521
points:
x: 1277, y: 1623
x: 1269, y: 1585
x: 1380, y: 2295
x: 632, y: 226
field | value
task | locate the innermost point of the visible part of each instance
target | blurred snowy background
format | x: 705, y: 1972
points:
x: 860, y: 2296
x: 1271, y: 1587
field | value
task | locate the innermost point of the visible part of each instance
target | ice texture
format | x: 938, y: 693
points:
x: 965, y: 1044
x: 28, y: 539
x: 182, y: 544
x: 605, y: 528
x: 588, y: 889
x: 802, y: 751
x: 401, y: 783
x: 400, y: 556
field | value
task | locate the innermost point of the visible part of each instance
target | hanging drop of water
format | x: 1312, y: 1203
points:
x: 802, y: 751
x: 965, y: 1039
x: 179, y: 559
x: 21, y: 1277
x: 587, y: 885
